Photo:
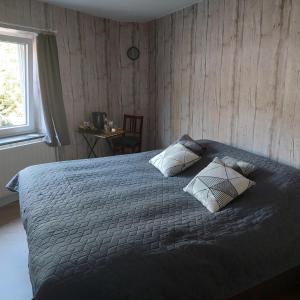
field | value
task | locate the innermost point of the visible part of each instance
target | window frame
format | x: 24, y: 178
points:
x: 30, y: 126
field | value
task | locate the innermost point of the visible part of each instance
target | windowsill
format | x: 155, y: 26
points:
x: 20, y: 139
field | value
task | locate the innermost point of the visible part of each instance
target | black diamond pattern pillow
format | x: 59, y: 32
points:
x: 174, y: 160
x: 240, y: 166
x: 217, y: 185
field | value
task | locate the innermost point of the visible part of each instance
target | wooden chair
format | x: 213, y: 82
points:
x: 132, y: 139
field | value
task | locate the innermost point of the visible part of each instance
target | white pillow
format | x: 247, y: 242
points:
x: 217, y: 185
x: 174, y: 160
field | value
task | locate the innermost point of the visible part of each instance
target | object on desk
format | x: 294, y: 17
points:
x: 113, y: 130
x: 85, y: 125
x: 99, y: 119
x: 108, y: 126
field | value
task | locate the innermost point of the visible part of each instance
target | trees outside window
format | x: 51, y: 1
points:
x: 16, y: 103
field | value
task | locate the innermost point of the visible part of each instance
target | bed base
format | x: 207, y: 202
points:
x: 279, y: 285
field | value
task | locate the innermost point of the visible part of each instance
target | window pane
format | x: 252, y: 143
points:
x: 13, y: 106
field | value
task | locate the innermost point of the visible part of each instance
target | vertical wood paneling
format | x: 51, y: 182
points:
x: 151, y: 105
x: 160, y: 86
x: 167, y: 87
x: 213, y: 68
x: 280, y: 82
x: 267, y: 72
x: 226, y: 70
x: 235, y: 69
x: 143, y: 94
x: 177, y: 20
x: 199, y: 77
x: 289, y: 139
x: 96, y: 72
x: 73, y: 89
x: 186, y: 67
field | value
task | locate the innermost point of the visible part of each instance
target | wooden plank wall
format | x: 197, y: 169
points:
x: 95, y: 70
x: 228, y: 70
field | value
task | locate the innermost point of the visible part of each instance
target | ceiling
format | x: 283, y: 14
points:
x: 125, y: 10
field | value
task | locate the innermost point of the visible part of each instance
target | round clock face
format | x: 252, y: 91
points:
x: 133, y: 53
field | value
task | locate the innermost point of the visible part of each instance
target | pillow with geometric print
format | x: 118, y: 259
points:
x: 174, y: 160
x: 217, y: 185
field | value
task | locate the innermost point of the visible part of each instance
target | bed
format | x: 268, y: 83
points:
x: 115, y: 228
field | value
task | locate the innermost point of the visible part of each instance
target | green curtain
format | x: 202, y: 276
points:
x: 51, y: 91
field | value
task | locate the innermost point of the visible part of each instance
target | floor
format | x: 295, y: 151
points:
x: 14, y: 278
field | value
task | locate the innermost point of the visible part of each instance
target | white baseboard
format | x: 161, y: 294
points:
x: 9, y: 199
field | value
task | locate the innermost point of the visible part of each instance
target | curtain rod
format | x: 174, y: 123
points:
x: 27, y: 28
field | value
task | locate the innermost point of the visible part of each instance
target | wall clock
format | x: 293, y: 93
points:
x: 133, y: 53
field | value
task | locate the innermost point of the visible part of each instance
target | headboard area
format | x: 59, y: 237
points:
x: 229, y: 71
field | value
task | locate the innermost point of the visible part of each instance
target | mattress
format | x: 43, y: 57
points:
x: 115, y: 228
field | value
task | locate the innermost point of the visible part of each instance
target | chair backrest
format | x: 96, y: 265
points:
x: 133, y: 125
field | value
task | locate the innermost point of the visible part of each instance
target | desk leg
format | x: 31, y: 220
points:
x: 92, y: 147
x: 110, y: 145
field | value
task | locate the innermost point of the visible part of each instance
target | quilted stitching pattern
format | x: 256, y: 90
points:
x: 111, y: 228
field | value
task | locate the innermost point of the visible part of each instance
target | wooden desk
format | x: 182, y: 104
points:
x: 99, y: 135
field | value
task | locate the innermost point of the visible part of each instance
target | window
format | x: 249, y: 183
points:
x: 16, y: 85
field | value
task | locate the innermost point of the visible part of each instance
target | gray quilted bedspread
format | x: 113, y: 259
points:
x: 115, y: 228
